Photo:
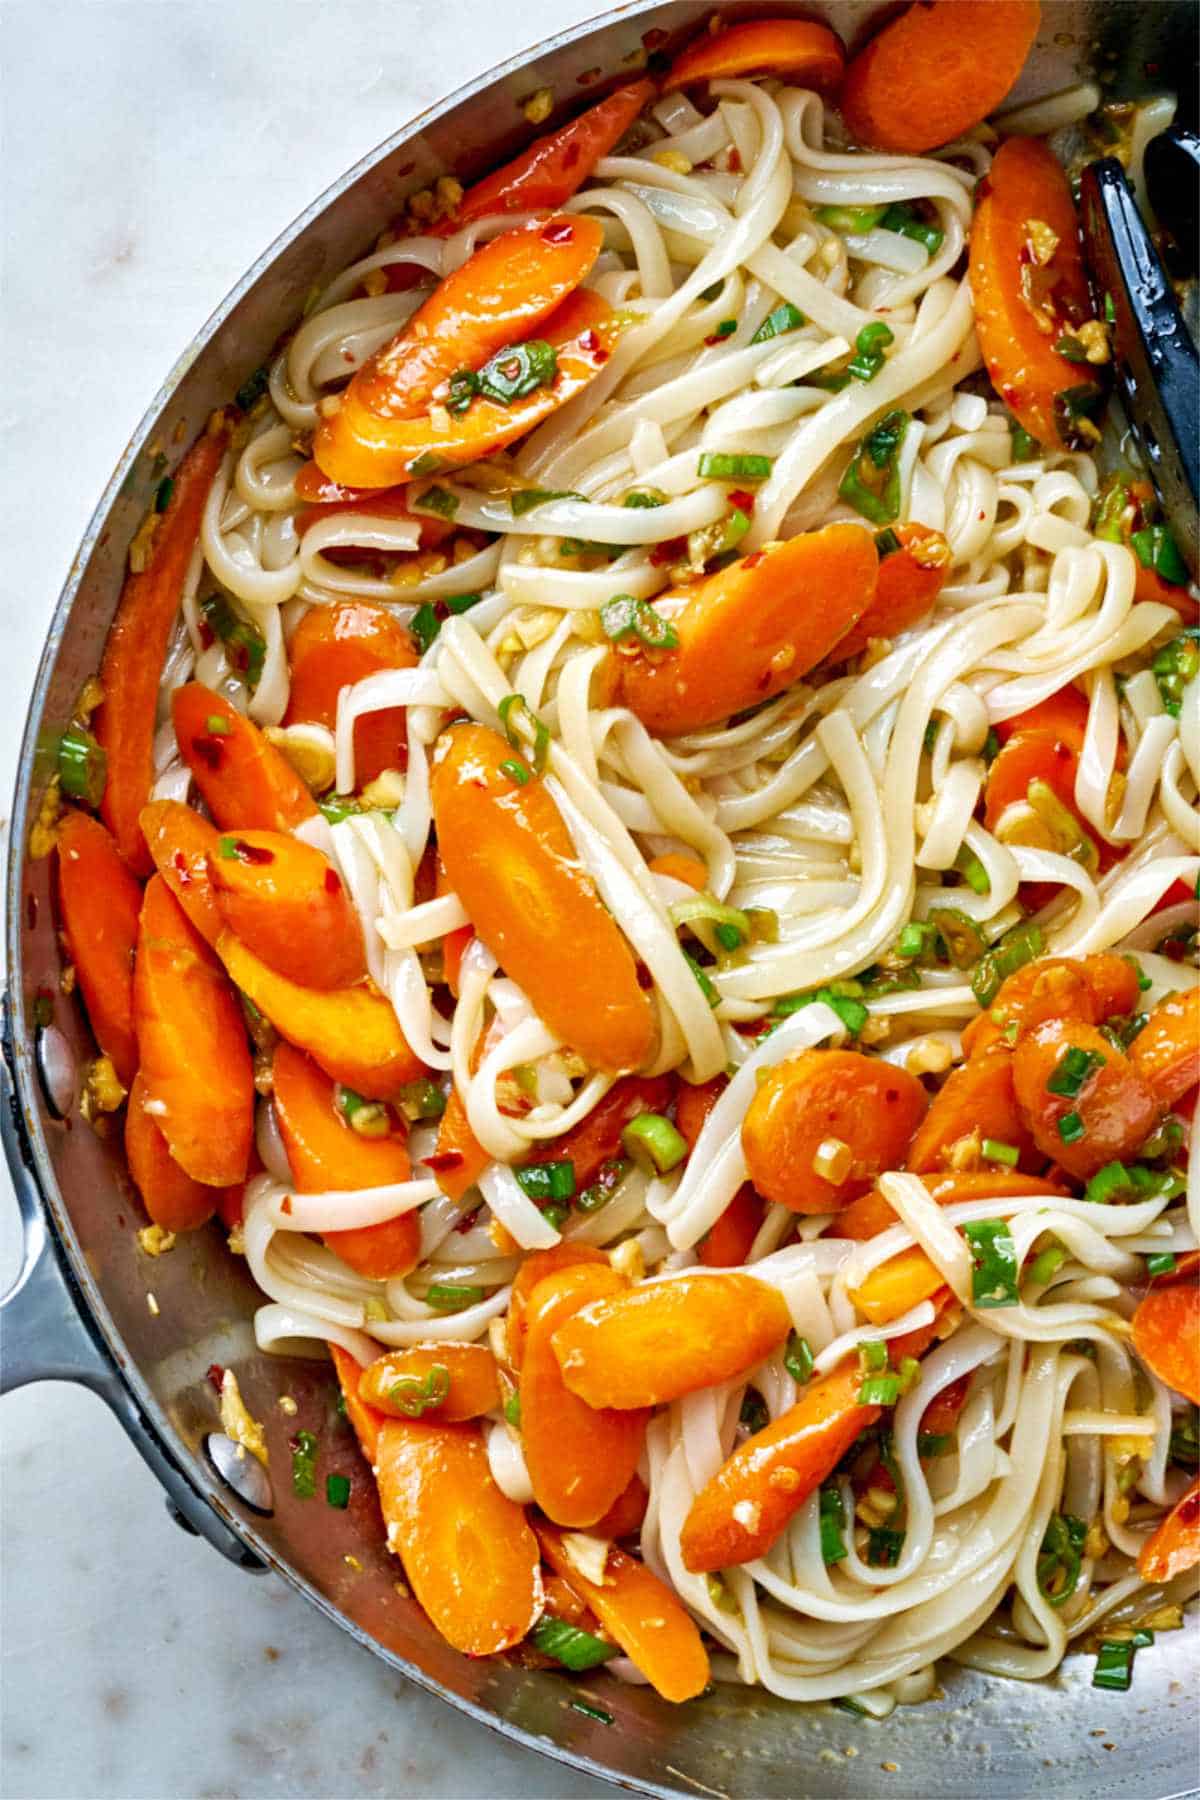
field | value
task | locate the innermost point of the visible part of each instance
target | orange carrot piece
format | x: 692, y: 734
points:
x: 99, y: 902
x: 468, y: 1554
x: 663, y: 1339
x: 197, y: 1077
x: 535, y: 1269
x: 1166, y: 1335
x: 460, y: 1158
x: 579, y: 1458
x: 399, y: 1384
x: 1024, y: 306
x: 1031, y: 756
x: 896, y: 1286
x: 794, y: 50
x: 976, y: 1101
x: 180, y: 842
x: 287, y: 903
x: 910, y: 580
x: 131, y: 667
x: 726, y: 1244
x: 326, y: 1154
x: 512, y: 862
x: 828, y: 1097
x: 244, y: 781
x: 867, y: 1216
x: 750, y: 630
x: 597, y: 1139
x: 351, y: 1032
x: 935, y: 71
x: 688, y: 869
x: 1063, y: 714
x: 626, y: 1513
x: 170, y: 1196
x: 554, y: 166
x: 335, y: 646
x: 562, y: 1602
x: 642, y: 1614
x: 367, y: 1421
x: 1174, y: 1545
x: 693, y: 1104
x: 1166, y: 1051
x: 455, y: 943
x: 1090, y: 988
x: 1110, y: 1117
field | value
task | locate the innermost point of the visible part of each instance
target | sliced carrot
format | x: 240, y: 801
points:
x: 867, y: 1216
x: 404, y: 1383
x: 750, y: 630
x: 131, y: 668
x: 693, y: 1104
x: 1174, y: 1545
x: 554, y: 166
x: 100, y: 901
x: 326, y: 1154
x: 367, y: 1421
x: 170, y: 1196
x: 726, y: 1244
x: 793, y: 50
x: 1029, y: 291
x: 579, y: 1458
x: 942, y: 1413
x: 562, y: 1602
x: 327, y: 500
x: 896, y: 1286
x: 459, y: 1159
x: 287, y: 903
x: 372, y: 448
x: 910, y: 580
x: 351, y: 1032
x: 244, y: 781
x: 935, y: 71
x: 828, y: 1101
x: 455, y: 943
x: 975, y: 1102
x: 1166, y: 1051
x: 198, y: 1081
x: 1107, y: 1119
x: 1063, y: 714
x: 1166, y: 1335
x: 1090, y: 988
x: 468, y: 1554
x: 180, y: 842
x: 642, y: 1614
x: 597, y: 1139
x: 663, y: 1339
x: 535, y: 1269
x: 688, y: 869
x: 513, y: 863
x: 334, y: 647
x: 626, y: 1513
x: 1031, y: 756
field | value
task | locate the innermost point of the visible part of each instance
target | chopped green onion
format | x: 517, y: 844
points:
x: 871, y: 484
x: 833, y: 1520
x: 654, y: 1143
x: 245, y: 643
x: 1076, y: 410
x: 711, y: 292
x: 884, y: 1547
x: 1163, y: 1142
x: 82, y: 765
x: 461, y: 603
x: 609, y: 1178
x: 567, y: 1644
x: 784, y: 318
x: 547, y: 1180
x: 713, y: 545
x: 518, y: 370
x: 515, y: 770
x: 1070, y: 348
x: 227, y: 849
x: 462, y: 389
x: 1185, y: 1440
x: 725, y: 329
x: 424, y: 626
x: 1114, y: 1666
x: 846, y: 1705
x: 910, y: 1373
x: 428, y: 463
x: 1071, y: 1128
x: 754, y: 1415
x: 217, y: 725
x: 304, y: 1465
x: 1072, y: 1070
x: 731, y: 925
x: 541, y: 737
x: 623, y: 617
x: 849, y: 1009
x: 873, y: 1356
x: 592, y: 1712
x: 644, y: 498
x: 887, y: 544
x: 994, y: 1259
x: 716, y: 465
x: 973, y: 871
x: 962, y: 937
x: 337, y: 1491
x: 1175, y: 666
x: 1114, y: 1181
x: 162, y: 494
x: 438, y: 500
x: 1025, y: 447
x: 1156, y: 549
x: 879, y: 1390
x: 869, y: 346
x: 991, y: 747
x: 512, y: 1410
x: 1016, y: 948
x: 933, y: 1443
x: 421, y: 1099
x: 798, y: 1357
x: 853, y: 219
x: 902, y: 218
x: 449, y: 1296
x: 702, y: 981
x: 1161, y: 1264
x: 1045, y: 1266
x: 1060, y: 1558
x: 525, y: 500
x: 832, y: 381
x: 915, y: 937
x: 556, y: 1216
x: 253, y: 388
x: 337, y: 810
x: 994, y: 1151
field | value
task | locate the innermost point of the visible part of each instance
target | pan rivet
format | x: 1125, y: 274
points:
x: 241, y: 1472
x: 56, y: 1070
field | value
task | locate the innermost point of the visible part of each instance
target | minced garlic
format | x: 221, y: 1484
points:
x: 237, y: 1422
x: 43, y: 833
x: 586, y: 1553
x: 539, y: 106
x: 310, y: 751
x: 141, y: 548
x: 387, y: 790
x: 102, y: 1091
x: 155, y: 1241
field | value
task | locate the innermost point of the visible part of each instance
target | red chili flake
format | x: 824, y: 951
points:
x: 442, y: 1161
x: 589, y: 341
x: 600, y: 354
x: 558, y: 231
x: 179, y: 863
x: 735, y: 161
x: 741, y: 499
x: 209, y: 750
x: 333, y: 881
x: 716, y: 338
x: 216, y: 1375
x: 1009, y: 395
x: 668, y: 552
x: 467, y: 1222
x: 207, y: 634
x: 253, y: 853
x: 755, y: 557
x: 982, y: 514
x: 285, y: 1205
x: 1188, y: 1510
x: 571, y: 156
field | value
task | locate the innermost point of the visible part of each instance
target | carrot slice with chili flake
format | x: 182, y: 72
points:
x: 100, y: 902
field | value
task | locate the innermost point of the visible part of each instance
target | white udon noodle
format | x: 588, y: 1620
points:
x: 824, y: 807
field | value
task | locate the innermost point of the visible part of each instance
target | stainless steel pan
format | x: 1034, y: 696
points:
x: 79, y: 1309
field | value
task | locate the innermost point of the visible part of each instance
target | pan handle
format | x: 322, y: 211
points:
x: 48, y: 1337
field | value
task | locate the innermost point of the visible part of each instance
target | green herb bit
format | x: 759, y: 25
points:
x: 993, y: 1150
x: 163, y: 492
x: 1156, y: 549
x: 916, y: 937
x: 753, y: 1414
x: 541, y: 736
x: 421, y: 1099
x: 1111, y: 1183
x: 654, y: 1143
x: 1025, y: 447
x: 1175, y: 666
x: 871, y: 484
x: 512, y: 1410
x: 870, y: 345
x: 902, y: 218
x: 1071, y: 1128
x: 1114, y: 1665
x: 994, y: 1258
x: 428, y: 463
x: 879, y: 1390
x: 609, y: 1178
x: 1060, y: 1558
x: 1185, y: 1440
x: 1073, y: 1069
x: 964, y: 941
x: 461, y: 390
x: 217, y: 725
x: 245, y: 643
x: 450, y: 1297
x: 524, y: 500
x: 972, y: 871
x: 873, y: 1356
x: 725, y: 329
x: 82, y: 766
x: 933, y: 1443
x: 785, y: 318
x: 848, y: 1007
x: 702, y: 980
x: 884, y: 1547
x: 253, y: 388
x: 567, y: 1644
x: 887, y: 544
x: 644, y: 499
x: 717, y: 465
x: 227, y: 849
x: 337, y: 810
x: 852, y: 219
x: 624, y: 617
x: 438, y: 500
x: 832, y: 1521
x: 711, y: 292
x: 304, y: 1465
x: 1016, y: 948
x: 991, y: 747
x: 547, y: 1180
x: 1070, y: 348
x: 592, y: 1712
x: 798, y: 1357
x: 1076, y: 411
x: 516, y: 771
x: 518, y: 370
x: 831, y: 381
x: 337, y: 1491
x: 1161, y: 1264
x: 1046, y: 1264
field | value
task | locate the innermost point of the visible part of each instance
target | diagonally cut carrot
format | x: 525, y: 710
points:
x: 170, y: 1196
x: 1166, y: 1335
x: 1175, y: 1544
x: 976, y: 1102
x: 332, y: 648
x: 535, y: 1268
x: 367, y: 1421
x: 597, y: 1139
x: 459, y: 1159
x: 287, y: 903
x: 137, y: 644
x: 727, y: 1243
x: 244, y: 781
x: 100, y: 902
x: 793, y: 50
x: 180, y: 842
x: 1166, y: 1051
x: 403, y: 1383
x: 910, y: 580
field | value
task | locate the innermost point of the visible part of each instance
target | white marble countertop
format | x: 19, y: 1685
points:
x: 153, y: 148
